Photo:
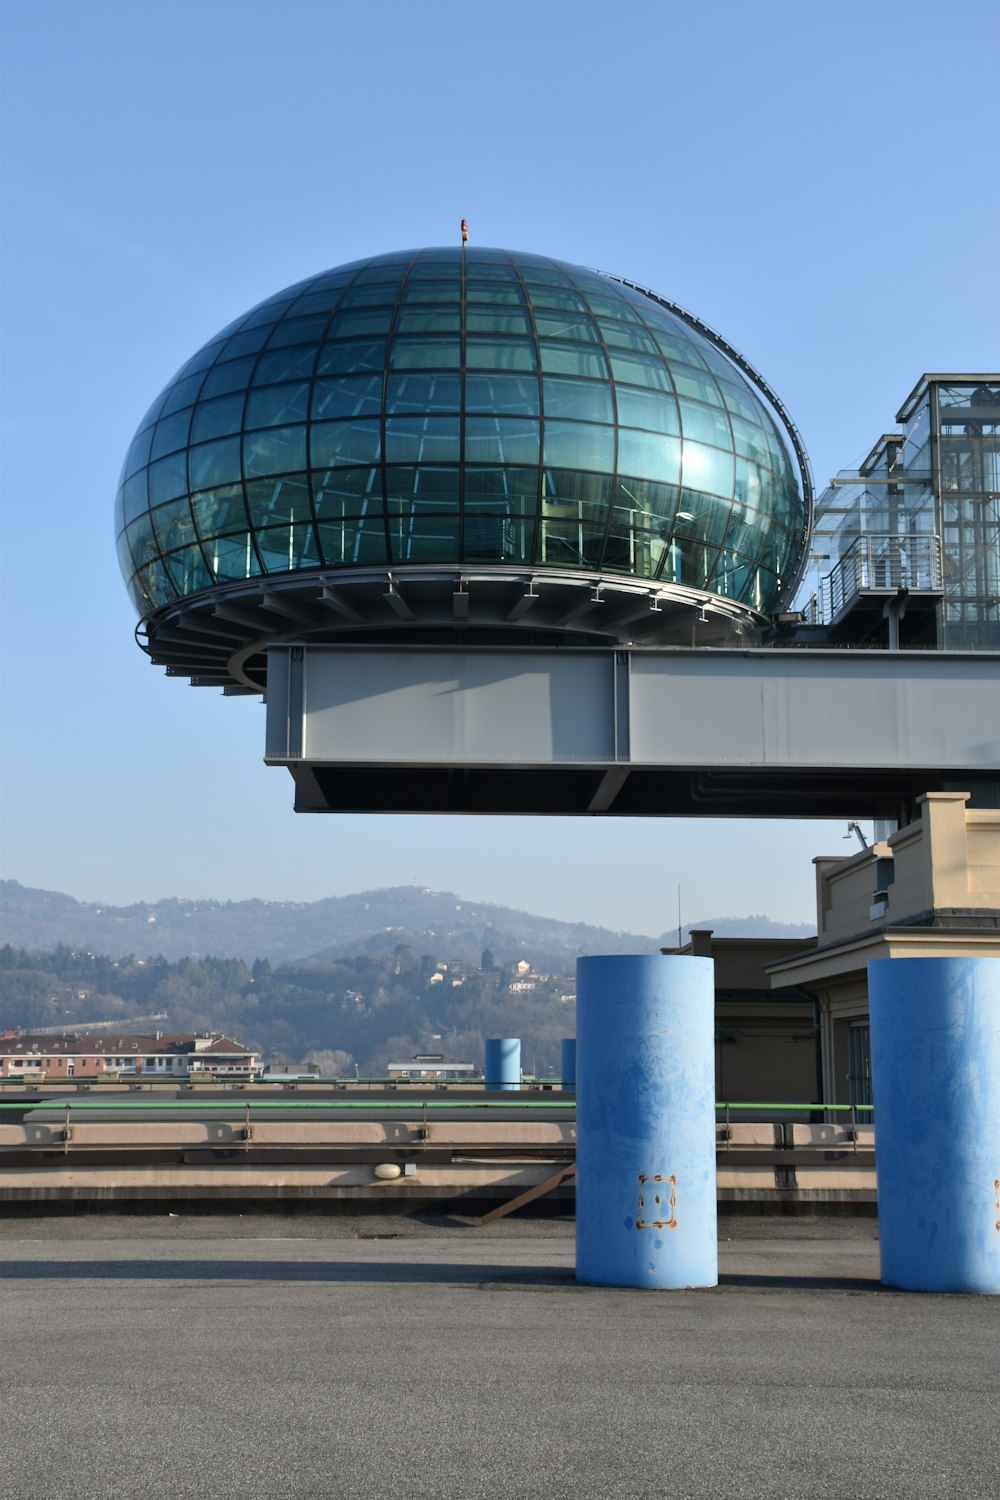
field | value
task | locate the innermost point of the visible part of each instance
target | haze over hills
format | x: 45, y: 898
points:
x: 372, y: 922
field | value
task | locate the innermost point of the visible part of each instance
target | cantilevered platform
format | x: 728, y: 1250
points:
x: 632, y: 731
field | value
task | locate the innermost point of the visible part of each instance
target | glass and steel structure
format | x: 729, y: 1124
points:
x: 917, y: 523
x: 473, y: 409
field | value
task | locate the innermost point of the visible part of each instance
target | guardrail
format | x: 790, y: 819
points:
x: 882, y: 561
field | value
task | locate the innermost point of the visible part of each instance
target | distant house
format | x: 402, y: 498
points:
x: 32, y: 1055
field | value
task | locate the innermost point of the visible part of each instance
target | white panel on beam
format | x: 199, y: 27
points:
x: 457, y: 707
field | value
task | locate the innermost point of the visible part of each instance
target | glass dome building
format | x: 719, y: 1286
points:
x: 458, y: 439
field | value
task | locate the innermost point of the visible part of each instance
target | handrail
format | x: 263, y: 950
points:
x: 489, y: 1103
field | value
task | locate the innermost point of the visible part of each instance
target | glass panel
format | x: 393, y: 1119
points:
x: 354, y: 542
x: 579, y: 445
x: 676, y: 347
x: 662, y: 320
x: 573, y: 359
x: 751, y: 441
x: 232, y: 376
x: 219, y: 510
x: 502, y: 491
x: 511, y: 395
x: 504, y: 440
x: 285, y: 364
x: 285, y: 548
x: 371, y: 294
x: 141, y: 541
x: 183, y: 393
x: 276, y: 405
x: 349, y: 492
x: 537, y: 274
x: 716, y: 361
x: 387, y: 268
x: 497, y: 272
x: 606, y: 305
x: 706, y: 424
x: 557, y: 296
x: 741, y: 401
x: 215, y: 463
x: 347, y: 325
x: 152, y: 587
x: 134, y: 496
x: 495, y: 296
x: 125, y: 560
x: 153, y: 412
x: 631, y: 547
x: 167, y: 479
x: 436, y: 269
x: 640, y: 369
x: 422, y: 439
x: 649, y: 455
x: 174, y: 526
x: 366, y: 355
x: 583, y: 400
x: 303, y: 331
x: 273, y: 500
x: 420, y: 393
x: 653, y: 504
x: 231, y: 328
x: 436, y: 489
x: 425, y: 353
x: 324, y: 301
x: 429, y: 320
x: 499, y: 354
x: 171, y: 433
x: 138, y: 454
x: 275, y: 451
x: 751, y: 484
x: 421, y: 537
x: 571, y: 533
x: 232, y: 557
x: 268, y: 312
x: 626, y: 335
x: 343, y: 443
x: 201, y: 360
x: 487, y: 320
x: 565, y: 325
x: 703, y: 517
x: 187, y: 570
x: 707, y: 469
x: 641, y: 408
x: 441, y: 291
x: 352, y: 396
x: 696, y: 383
x: 219, y: 418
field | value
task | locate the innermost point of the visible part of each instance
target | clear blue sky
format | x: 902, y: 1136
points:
x: 816, y: 180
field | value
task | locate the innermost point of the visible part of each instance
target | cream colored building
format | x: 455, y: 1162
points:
x: 931, y: 890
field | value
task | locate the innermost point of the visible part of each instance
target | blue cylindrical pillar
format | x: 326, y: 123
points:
x: 567, y: 1062
x: 645, y: 1180
x: 503, y: 1063
x: 935, y: 1033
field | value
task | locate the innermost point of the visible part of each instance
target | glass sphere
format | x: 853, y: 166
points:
x: 466, y: 407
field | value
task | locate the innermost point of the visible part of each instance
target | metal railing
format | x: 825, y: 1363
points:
x: 881, y: 561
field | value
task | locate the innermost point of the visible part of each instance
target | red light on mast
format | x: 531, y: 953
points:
x: 465, y: 231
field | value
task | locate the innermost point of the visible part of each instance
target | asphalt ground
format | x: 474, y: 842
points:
x: 307, y: 1358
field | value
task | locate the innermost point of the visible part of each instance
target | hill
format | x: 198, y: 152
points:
x: 370, y: 922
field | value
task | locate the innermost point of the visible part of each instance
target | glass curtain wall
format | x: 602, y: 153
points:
x: 968, y: 485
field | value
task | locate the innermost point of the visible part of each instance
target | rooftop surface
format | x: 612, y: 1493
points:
x: 303, y: 1357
